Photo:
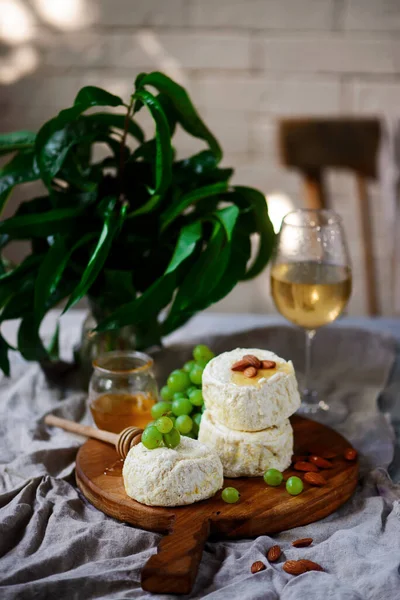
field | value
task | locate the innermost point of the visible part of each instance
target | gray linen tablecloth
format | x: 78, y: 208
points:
x: 53, y: 544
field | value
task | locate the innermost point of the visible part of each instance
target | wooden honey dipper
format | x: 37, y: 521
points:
x: 123, y: 441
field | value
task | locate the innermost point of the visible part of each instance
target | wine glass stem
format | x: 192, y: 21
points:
x: 309, y: 395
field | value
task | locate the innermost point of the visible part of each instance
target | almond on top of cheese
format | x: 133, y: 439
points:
x: 250, y: 404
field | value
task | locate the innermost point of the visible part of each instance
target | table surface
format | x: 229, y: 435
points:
x: 224, y: 323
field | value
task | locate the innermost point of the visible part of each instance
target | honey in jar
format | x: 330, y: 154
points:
x: 122, y: 390
x: 114, y: 412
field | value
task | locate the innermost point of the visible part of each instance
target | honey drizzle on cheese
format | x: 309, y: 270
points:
x: 239, y: 379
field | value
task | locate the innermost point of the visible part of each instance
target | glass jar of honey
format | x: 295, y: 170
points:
x: 122, y: 390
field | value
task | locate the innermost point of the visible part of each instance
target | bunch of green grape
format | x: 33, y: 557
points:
x: 181, y: 398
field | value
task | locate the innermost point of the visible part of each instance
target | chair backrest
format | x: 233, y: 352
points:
x: 313, y: 145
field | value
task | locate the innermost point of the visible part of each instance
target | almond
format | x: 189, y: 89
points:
x: 322, y: 451
x: 294, y: 567
x: 310, y: 565
x: 240, y: 365
x: 305, y: 466
x: 252, y: 360
x: 250, y: 372
x: 320, y: 462
x: 350, y: 454
x: 298, y: 458
x: 302, y: 543
x: 314, y: 479
x: 257, y: 566
x: 268, y: 364
x: 274, y: 553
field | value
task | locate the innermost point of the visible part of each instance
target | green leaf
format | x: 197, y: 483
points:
x: 186, y: 112
x: 240, y: 252
x: 116, y: 289
x: 111, y: 227
x: 163, y: 166
x: 263, y: 226
x: 29, y: 343
x: 175, y: 209
x: 51, y: 270
x: 228, y: 217
x: 41, y: 224
x: 17, y: 140
x: 118, y: 122
x: 4, y: 361
x: 150, y: 303
x: 21, y: 169
x: 56, y: 138
x: 19, y: 302
x: 189, y: 237
x: 203, y: 284
x: 58, y: 135
x: 94, y: 96
x: 53, y: 349
x: 30, y: 263
x: 160, y: 293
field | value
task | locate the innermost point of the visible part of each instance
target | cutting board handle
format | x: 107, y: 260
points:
x: 173, y: 569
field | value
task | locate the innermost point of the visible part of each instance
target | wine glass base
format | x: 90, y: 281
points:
x: 318, y: 410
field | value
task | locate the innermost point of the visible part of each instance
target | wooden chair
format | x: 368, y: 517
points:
x: 314, y: 145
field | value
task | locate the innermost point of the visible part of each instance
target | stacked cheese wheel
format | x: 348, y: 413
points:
x: 246, y: 420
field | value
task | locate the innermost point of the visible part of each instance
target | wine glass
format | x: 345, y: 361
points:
x: 311, y: 280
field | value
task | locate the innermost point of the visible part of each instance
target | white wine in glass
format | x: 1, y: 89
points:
x: 311, y: 279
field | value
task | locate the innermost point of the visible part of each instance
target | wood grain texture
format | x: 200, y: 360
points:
x: 261, y: 509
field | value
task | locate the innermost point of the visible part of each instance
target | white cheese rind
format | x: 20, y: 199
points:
x: 249, y: 407
x: 172, y: 477
x: 248, y: 454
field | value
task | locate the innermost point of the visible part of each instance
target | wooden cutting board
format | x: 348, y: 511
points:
x: 261, y: 509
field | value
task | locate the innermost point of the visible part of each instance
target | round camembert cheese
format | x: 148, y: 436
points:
x: 248, y: 453
x: 250, y: 404
x: 172, y: 477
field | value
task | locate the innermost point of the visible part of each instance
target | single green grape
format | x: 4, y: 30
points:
x: 273, y: 477
x: 202, y: 352
x: 191, y: 389
x: 166, y: 394
x: 230, y: 495
x: 188, y: 366
x: 196, y: 375
x: 184, y: 424
x: 149, y: 424
x: 172, y: 439
x: 179, y: 395
x: 197, y: 418
x: 178, y: 381
x: 294, y: 486
x: 159, y: 409
x: 151, y: 438
x: 196, y: 423
x: 202, y: 363
x: 164, y: 424
x: 182, y: 406
x: 196, y: 398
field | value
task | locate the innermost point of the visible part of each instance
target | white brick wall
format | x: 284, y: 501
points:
x: 128, y: 13
x: 246, y: 63
x: 263, y: 14
x: 330, y: 53
x: 368, y: 15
